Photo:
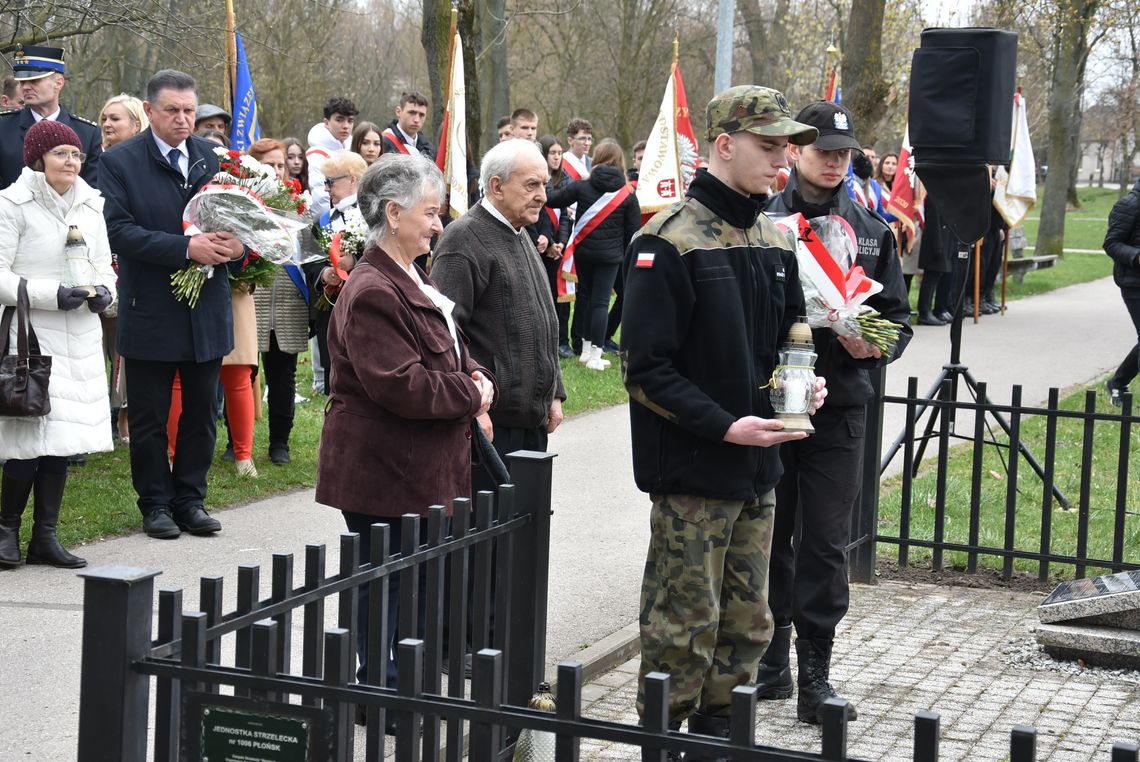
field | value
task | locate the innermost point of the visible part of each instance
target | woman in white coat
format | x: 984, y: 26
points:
x: 36, y: 213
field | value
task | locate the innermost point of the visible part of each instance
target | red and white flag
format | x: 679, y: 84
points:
x: 905, y: 186
x: 452, y: 156
x: 671, y: 156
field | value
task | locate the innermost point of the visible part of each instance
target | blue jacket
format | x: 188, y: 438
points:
x: 145, y: 197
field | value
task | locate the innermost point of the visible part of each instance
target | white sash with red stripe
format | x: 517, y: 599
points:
x: 590, y: 219
x: 396, y: 140
x: 574, y: 166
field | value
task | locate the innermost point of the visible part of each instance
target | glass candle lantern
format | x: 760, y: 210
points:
x: 78, y: 269
x: 793, y: 383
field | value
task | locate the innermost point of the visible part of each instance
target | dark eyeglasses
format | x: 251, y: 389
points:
x: 331, y: 181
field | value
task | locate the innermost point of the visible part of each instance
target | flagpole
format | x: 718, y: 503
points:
x: 830, y: 68
x: 231, y: 55
x: 673, y: 77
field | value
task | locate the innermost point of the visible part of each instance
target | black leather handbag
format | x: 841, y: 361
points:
x: 24, y: 376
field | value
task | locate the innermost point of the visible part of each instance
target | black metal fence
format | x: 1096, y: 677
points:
x: 502, y: 559
x: 1007, y: 509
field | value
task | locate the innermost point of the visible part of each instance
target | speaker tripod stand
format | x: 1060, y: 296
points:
x: 957, y: 373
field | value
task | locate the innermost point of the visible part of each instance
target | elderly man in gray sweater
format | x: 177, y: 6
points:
x: 487, y: 264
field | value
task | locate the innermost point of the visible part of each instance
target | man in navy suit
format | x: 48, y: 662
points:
x: 147, y: 181
x: 39, y: 72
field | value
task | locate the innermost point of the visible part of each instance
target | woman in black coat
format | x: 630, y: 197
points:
x: 600, y: 247
x: 555, y: 224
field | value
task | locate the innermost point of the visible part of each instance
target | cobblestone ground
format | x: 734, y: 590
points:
x: 968, y: 654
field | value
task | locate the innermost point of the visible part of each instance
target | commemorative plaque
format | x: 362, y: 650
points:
x: 1096, y: 620
x: 227, y: 729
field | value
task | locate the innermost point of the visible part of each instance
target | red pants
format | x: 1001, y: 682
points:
x: 239, y: 410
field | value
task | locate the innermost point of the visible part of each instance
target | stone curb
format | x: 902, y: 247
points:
x: 603, y: 656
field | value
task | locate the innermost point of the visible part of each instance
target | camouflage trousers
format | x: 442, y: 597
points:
x: 704, y: 611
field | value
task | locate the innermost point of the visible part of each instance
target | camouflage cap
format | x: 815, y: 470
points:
x: 760, y: 110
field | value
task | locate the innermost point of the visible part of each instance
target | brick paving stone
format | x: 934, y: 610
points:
x: 907, y: 646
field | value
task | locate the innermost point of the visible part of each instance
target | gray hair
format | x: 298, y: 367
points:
x: 395, y: 178
x: 169, y: 79
x: 503, y: 158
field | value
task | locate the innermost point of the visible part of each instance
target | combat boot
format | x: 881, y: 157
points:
x: 774, y: 676
x: 44, y: 547
x: 814, y: 670
x: 707, y: 725
x: 13, y: 500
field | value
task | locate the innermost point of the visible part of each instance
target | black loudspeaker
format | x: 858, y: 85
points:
x: 961, y: 104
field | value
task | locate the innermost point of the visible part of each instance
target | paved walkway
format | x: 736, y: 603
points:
x: 600, y: 531
x: 968, y: 654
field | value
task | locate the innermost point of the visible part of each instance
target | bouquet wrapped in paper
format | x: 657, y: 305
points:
x: 835, y: 288
x: 247, y: 199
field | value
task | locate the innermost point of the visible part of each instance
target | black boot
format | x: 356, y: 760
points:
x: 45, y: 548
x: 774, y: 677
x: 13, y: 499
x: 815, y: 668
x: 707, y: 725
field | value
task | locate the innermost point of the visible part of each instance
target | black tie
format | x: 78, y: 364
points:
x: 172, y: 157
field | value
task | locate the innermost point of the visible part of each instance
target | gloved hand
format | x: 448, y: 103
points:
x: 101, y: 301
x: 68, y: 298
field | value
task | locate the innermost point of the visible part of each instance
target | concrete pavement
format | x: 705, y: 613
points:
x: 600, y: 530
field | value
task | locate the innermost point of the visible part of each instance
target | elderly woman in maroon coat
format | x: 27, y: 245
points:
x: 403, y: 389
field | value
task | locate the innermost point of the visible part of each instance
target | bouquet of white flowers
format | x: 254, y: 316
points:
x: 246, y: 198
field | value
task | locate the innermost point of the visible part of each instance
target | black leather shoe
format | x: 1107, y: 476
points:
x: 929, y: 318
x: 195, y: 520
x: 610, y: 347
x: 945, y: 316
x: 565, y: 352
x: 774, y: 676
x: 228, y: 455
x: 279, y: 454
x: 160, y: 525
x: 990, y: 308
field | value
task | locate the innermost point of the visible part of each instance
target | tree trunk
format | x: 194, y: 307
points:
x: 494, y: 22
x: 864, y: 89
x: 767, y: 70
x: 433, y: 36
x: 1064, y: 119
x: 469, y: 31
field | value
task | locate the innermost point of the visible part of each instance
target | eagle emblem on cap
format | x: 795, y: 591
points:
x: 840, y: 121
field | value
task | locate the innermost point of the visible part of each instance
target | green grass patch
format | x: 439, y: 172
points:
x: 1064, y: 524
x: 1084, y: 227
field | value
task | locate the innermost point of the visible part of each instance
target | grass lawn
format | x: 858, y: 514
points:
x: 100, y: 501
x: 1102, y: 481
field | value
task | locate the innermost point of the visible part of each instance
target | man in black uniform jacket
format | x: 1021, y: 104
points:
x: 808, y: 581
x: 39, y: 71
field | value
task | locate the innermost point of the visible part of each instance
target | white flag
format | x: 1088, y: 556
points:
x: 1015, y: 192
x: 454, y: 148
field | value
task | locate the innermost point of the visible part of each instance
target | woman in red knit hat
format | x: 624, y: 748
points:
x: 54, y: 240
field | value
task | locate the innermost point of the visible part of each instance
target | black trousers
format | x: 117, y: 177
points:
x: 597, y: 280
x: 1131, y: 365
x: 321, y: 324
x: 614, y: 321
x: 362, y: 524
x: 160, y: 484
x: 807, y: 576
x: 281, y: 380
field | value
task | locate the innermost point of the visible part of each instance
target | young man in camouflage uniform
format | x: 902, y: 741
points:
x: 711, y: 290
